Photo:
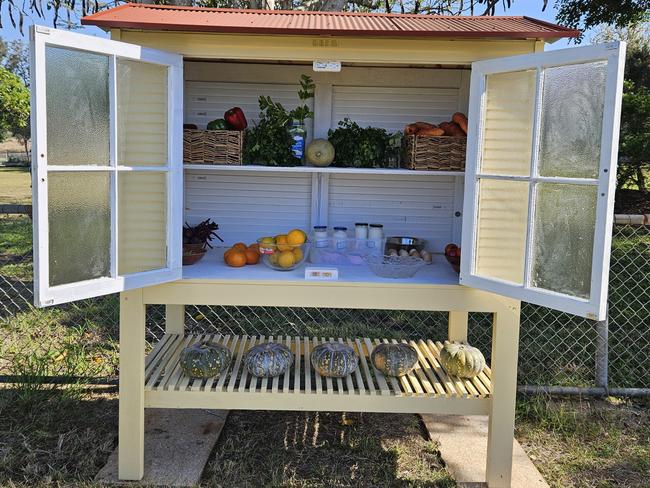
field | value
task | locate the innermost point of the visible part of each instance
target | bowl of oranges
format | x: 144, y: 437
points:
x: 284, y: 252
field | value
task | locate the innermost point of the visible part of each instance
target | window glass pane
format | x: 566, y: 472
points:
x: 565, y: 217
x: 77, y: 107
x: 501, y: 229
x: 508, y: 122
x: 142, y: 221
x: 142, y: 113
x: 572, y: 120
x: 79, y: 226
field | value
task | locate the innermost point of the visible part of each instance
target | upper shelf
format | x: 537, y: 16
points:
x: 313, y: 169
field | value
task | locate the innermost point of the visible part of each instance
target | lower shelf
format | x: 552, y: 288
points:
x: 427, y: 389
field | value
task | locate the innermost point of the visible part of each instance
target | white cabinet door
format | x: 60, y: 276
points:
x: 540, y: 177
x: 107, y: 166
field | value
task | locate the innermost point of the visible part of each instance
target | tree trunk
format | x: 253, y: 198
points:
x: 640, y: 179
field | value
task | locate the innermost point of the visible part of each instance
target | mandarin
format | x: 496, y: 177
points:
x: 252, y: 256
x: 240, y: 245
x: 286, y: 259
x: 236, y: 258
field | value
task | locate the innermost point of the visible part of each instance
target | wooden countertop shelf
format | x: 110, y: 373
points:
x: 427, y: 389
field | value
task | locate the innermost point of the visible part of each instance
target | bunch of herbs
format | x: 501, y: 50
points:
x: 359, y: 147
x: 269, y: 142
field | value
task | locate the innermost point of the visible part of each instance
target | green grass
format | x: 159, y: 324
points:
x: 62, y: 437
x: 587, y: 443
x: 15, y: 186
x: 16, y: 247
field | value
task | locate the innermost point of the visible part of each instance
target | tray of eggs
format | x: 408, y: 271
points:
x: 403, y: 246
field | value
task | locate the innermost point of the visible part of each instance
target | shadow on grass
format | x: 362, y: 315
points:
x: 312, y: 449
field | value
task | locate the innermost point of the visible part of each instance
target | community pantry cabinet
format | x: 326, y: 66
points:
x: 533, y: 208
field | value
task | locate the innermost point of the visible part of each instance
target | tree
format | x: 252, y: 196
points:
x: 585, y: 14
x: 634, y: 145
x: 14, y: 104
x: 15, y: 57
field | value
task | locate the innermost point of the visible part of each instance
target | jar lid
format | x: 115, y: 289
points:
x: 320, y: 227
x: 361, y: 224
x: 376, y: 225
x: 340, y: 228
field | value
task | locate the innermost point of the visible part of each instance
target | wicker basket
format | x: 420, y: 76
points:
x: 212, y: 146
x: 434, y: 153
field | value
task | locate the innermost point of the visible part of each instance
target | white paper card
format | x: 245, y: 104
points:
x: 321, y: 274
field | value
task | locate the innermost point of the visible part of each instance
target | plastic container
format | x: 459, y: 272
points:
x: 376, y: 236
x: 284, y: 257
x: 340, y: 237
x: 298, y: 134
x: 395, y: 266
x: 343, y: 253
x: 320, y: 236
x: 361, y: 231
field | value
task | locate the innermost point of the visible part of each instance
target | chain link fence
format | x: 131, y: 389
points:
x: 556, y: 349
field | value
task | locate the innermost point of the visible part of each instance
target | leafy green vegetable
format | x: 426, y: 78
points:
x: 358, y: 147
x: 269, y: 142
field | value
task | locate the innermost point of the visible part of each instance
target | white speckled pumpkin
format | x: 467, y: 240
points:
x: 461, y: 360
x: 394, y: 359
x: 334, y: 359
x: 205, y: 360
x: 268, y: 360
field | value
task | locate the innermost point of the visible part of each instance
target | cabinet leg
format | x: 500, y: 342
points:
x: 505, y: 345
x: 175, y: 319
x: 131, y: 411
x: 458, y: 326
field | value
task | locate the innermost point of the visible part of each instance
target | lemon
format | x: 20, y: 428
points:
x: 297, y: 254
x: 282, y: 243
x: 273, y: 258
x: 296, y: 237
x: 286, y: 259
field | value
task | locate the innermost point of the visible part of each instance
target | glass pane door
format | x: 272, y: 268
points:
x: 107, y: 166
x: 540, y: 177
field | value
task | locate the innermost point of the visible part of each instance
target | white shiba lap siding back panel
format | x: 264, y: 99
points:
x: 206, y: 101
x: 391, y: 108
x: 251, y: 205
x: 418, y: 205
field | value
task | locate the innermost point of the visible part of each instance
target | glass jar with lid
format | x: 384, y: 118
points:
x: 340, y: 237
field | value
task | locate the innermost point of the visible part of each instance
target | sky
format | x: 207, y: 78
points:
x: 531, y: 8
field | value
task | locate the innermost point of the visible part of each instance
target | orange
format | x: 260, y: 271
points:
x: 255, y: 247
x: 282, y: 243
x: 236, y: 258
x: 296, y: 237
x: 225, y: 254
x: 252, y: 256
x: 240, y: 245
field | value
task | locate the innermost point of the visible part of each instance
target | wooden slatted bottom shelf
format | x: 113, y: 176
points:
x: 427, y: 389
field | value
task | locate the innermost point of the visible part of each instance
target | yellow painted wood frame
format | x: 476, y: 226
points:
x: 136, y: 392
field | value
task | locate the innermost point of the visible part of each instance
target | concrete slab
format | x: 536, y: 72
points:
x: 463, y: 447
x: 177, y: 444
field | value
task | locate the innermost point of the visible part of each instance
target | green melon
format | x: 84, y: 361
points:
x: 320, y: 152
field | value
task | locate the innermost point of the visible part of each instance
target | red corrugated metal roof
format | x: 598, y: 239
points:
x: 159, y: 17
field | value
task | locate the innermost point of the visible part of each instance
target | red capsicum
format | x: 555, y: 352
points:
x: 235, y: 118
